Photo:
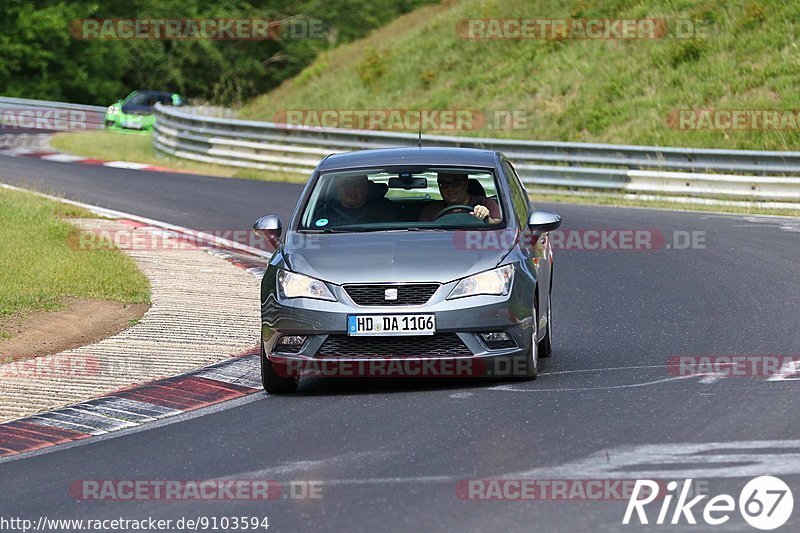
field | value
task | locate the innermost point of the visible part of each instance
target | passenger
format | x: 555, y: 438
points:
x: 453, y: 187
x: 354, y: 205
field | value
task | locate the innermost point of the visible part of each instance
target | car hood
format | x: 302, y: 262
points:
x: 372, y: 257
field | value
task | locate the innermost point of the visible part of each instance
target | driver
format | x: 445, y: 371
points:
x: 453, y: 187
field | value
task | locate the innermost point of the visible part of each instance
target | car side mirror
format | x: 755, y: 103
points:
x: 543, y: 221
x: 269, y: 227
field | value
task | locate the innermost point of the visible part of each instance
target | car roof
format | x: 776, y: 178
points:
x: 159, y: 93
x: 410, y: 156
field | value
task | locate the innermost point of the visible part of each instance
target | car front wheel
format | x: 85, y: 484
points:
x: 275, y: 377
x: 532, y: 362
x: 546, y: 344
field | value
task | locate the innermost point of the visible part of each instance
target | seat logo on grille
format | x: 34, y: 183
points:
x: 390, y: 294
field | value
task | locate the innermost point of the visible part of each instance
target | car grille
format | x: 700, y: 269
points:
x: 439, y: 345
x: 407, y: 294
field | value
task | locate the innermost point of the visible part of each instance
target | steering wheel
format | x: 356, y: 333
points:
x: 456, y: 207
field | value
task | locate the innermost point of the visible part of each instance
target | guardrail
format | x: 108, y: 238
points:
x: 735, y: 174
x: 21, y: 113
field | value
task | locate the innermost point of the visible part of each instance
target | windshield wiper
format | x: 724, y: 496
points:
x: 372, y: 230
x: 410, y: 228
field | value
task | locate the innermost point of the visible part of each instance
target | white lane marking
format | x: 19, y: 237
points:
x: 47, y: 419
x: 790, y: 371
x: 460, y: 395
x: 134, y: 406
x: 711, y: 378
x: 126, y: 164
x: 314, y: 466
x: 133, y: 411
x: 242, y: 371
x: 84, y: 418
x: 512, y: 388
x: 105, y: 410
x: 604, y: 369
x: 711, y: 460
x: 97, y: 419
x: 392, y: 480
x: 13, y: 152
x: 679, y: 461
x: 613, y: 368
x: 63, y: 158
x: 168, y: 420
x: 111, y: 213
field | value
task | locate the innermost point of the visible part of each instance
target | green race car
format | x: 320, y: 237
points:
x: 135, y: 111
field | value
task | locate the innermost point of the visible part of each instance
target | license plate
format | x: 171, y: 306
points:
x: 364, y: 325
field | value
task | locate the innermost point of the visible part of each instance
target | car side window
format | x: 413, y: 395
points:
x: 519, y: 196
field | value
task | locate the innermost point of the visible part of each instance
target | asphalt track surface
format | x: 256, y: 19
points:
x: 390, y: 453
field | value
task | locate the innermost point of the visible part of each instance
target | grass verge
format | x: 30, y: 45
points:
x: 627, y: 201
x: 39, y: 268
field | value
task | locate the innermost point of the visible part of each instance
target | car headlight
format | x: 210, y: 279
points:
x: 294, y: 285
x: 497, y: 281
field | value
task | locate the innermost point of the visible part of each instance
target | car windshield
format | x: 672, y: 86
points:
x: 142, y: 99
x: 386, y: 199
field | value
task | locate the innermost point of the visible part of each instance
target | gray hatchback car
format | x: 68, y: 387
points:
x: 423, y: 262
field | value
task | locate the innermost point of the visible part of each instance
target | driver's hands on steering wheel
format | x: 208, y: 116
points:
x: 480, y: 211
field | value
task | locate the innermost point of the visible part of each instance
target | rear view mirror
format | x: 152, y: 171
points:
x: 408, y: 183
x: 543, y: 221
x: 269, y: 227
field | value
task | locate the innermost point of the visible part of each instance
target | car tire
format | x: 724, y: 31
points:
x: 546, y: 344
x: 532, y: 360
x: 275, y: 377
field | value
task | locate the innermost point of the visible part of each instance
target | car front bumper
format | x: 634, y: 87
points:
x: 459, y: 324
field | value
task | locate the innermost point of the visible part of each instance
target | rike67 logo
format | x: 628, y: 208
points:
x: 765, y: 502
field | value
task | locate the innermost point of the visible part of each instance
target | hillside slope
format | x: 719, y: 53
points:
x: 607, y: 90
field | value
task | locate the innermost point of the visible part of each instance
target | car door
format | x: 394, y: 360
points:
x: 537, y: 251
